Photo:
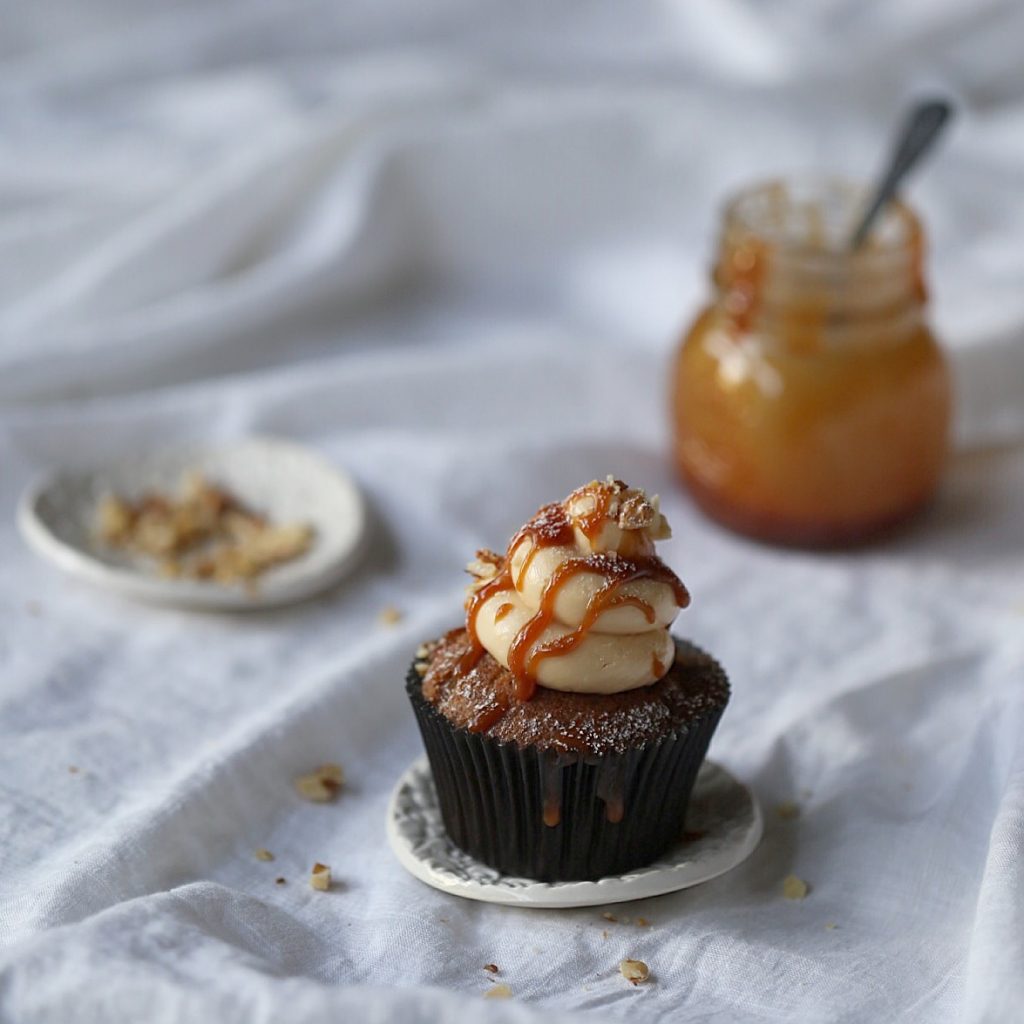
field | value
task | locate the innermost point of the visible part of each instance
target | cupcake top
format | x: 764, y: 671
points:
x: 579, y: 601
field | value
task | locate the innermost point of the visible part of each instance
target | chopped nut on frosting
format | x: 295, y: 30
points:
x: 636, y: 513
x: 484, y: 567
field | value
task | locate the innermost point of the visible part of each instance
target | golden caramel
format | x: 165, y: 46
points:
x: 811, y: 403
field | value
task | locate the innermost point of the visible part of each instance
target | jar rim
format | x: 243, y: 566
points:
x: 815, y: 215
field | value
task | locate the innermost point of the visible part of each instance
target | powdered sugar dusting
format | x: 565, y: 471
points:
x: 571, y: 722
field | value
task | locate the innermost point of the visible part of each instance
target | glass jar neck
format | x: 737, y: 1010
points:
x: 784, y: 268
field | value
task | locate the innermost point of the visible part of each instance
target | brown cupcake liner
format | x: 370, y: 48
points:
x: 537, y: 814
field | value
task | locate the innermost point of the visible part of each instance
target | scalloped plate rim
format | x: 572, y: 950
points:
x: 657, y: 879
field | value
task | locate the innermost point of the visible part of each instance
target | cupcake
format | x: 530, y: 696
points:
x: 563, y: 723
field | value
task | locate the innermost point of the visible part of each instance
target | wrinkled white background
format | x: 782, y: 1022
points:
x: 450, y: 246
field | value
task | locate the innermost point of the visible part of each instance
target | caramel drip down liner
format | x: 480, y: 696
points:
x: 537, y: 814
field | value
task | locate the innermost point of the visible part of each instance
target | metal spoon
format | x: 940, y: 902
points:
x: 921, y: 129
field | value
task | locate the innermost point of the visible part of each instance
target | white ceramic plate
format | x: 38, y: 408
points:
x: 722, y: 810
x: 284, y: 481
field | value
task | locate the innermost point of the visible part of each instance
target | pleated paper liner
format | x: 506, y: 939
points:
x: 560, y: 817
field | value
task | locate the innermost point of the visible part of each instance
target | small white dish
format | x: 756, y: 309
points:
x: 285, y: 481
x: 723, y: 812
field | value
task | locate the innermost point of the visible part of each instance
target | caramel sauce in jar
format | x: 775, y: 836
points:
x: 811, y: 402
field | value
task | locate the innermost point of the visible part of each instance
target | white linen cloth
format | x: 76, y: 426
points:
x: 451, y: 247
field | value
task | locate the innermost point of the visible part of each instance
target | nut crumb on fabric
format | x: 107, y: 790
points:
x: 322, y: 784
x: 280, y: 880
x: 604, y: 934
x: 830, y: 926
x: 642, y: 922
x: 634, y: 971
x: 73, y: 769
x: 608, y: 916
x: 320, y: 877
x: 788, y: 810
x: 262, y: 854
x: 389, y: 616
x: 794, y: 888
x: 501, y: 991
x: 492, y: 968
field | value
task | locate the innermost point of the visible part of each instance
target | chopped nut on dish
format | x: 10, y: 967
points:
x: 501, y: 991
x: 205, y: 533
x: 322, y: 784
x: 794, y: 888
x: 262, y: 854
x: 634, y: 971
x: 320, y: 877
x: 788, y: 810
x: 389, y: 616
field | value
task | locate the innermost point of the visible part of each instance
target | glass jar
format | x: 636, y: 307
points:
x: 811, y: 402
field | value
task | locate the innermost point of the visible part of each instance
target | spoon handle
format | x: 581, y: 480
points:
x: 920, y: 130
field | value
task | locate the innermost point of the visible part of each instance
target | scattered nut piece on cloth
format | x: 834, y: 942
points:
x: 794, y: 888
x: 498, y: 992
x: 634, y: 971
x: 320, y: 877
x: 322, y: 784
x: 262, y: 854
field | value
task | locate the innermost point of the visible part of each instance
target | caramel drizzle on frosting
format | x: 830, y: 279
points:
x: 550, y: 527
x: 503, y: 610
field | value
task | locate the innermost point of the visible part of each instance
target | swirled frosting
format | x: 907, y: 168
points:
x: 580, y: 601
